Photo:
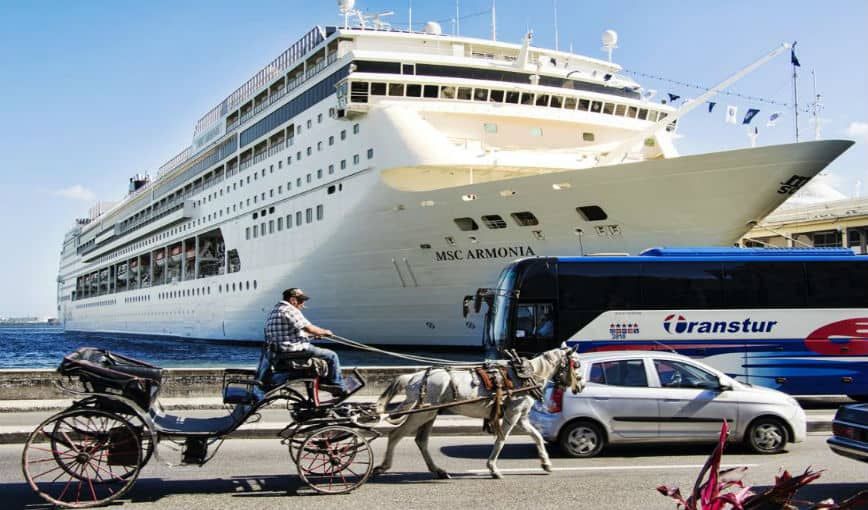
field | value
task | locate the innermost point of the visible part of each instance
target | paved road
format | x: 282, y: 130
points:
x: 254, y: 474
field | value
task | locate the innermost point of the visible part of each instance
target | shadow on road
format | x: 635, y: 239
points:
x: 528, y: 451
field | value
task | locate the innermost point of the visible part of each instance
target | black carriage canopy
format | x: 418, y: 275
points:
x: 103, y: 371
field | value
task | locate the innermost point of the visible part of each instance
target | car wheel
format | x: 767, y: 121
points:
x: 766, y: 435
x: 859, y: 398
x: 582, y: 439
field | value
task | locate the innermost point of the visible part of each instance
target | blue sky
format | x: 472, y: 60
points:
x: 92, y: 92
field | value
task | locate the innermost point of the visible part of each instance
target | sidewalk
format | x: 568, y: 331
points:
x: 19, y: 417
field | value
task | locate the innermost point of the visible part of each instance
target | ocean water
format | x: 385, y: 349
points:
x: 43, y: 346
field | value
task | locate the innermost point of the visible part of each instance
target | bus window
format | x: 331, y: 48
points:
x: 535, y: 320
x: 837, y: 285
x: 764, y: 284
x: 599, y: 286
x: 539, y: 280
x: 682, y: 285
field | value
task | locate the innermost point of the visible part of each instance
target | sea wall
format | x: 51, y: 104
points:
x: 177, y: 382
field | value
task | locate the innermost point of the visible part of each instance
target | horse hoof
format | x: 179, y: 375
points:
x: 379, y: 470
x: 496, y: 475
x: 547, y: 468
x: 441, y: 474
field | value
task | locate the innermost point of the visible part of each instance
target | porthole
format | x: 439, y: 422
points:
x: 493, y: 221
x: 592, y: 213
x: 524, y: 219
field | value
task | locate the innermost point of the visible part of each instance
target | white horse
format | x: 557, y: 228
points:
x: 443, y: 387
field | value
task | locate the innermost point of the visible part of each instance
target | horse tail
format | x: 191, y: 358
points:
x: 399, y: 384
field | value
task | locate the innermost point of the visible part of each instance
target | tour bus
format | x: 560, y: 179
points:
x: 791, y: 319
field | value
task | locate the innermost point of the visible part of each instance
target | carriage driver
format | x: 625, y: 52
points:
x: 288, y: 329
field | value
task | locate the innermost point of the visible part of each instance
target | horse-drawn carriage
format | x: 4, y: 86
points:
x: 92, y: 452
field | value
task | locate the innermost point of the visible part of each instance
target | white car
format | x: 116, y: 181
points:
x: 644, y: 397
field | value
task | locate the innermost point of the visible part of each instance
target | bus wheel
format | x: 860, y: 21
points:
x: 582, y: 439
x: 859, y: 398
x: 766, y: 435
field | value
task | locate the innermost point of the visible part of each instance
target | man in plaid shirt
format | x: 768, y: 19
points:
x: 288, y: 329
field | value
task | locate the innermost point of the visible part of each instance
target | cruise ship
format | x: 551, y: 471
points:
x: 392, y: 173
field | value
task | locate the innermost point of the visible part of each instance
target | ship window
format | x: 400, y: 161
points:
x: 480, y: 94
x: 542, y: 100
x: 584, y: 105
x: 356, y: 129
x: 247, y: 287
x: 271, y: 210
x: 609, y: 109
x: 592, y: 213
x: 512, y: 97
x: 408, y: 68
x: 309, y: 150
x: 496, y: 96
x: 343, y: 134
x: 556, y: 102
x: 255, y: 215
x: 298, y: 182
x: 270, y: 226
x: 587, y: 137
x: 330, y: 190
x: 643, y: 114
x: 490, y: 127
x: 431, y: 91
x: 396, y: 89
x: 464, y: 93
x: 652, y: 115
x: 570, y: 103
x: 308, y: 215
x: 233, y: 286
x: 359, y: 92
x: 279, y: 224
x: 355, y: 159
x: 526, y: 98
x: 494, y: 221
x: 308, y: 178
x: 247, y: 233
x: 262, y: 228
x: 309, y: 124
x: 466, y: 224
x: 319, y: 146
x: 319, y: 174
x: 596, y: 106
x: 331, y: 140
x: 447, y: 92
x: 414, y: 90
x: 255, y: 231
x: 288, y: 221
x: 370, y: 153
x: 536, y: 131
x: 280, y: 189
x: 378, y: 89
x: 343, y: 164
x: 297, y: 218
x: 632, y: 111
x: 620, y: 110
x: 524, y: 219
x: 319, y: 212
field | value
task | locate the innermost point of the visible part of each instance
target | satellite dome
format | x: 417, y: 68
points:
x: 346, y: 5
x: 433, y: 28
x: 610, y: 38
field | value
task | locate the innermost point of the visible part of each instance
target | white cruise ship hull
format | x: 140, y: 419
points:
x: 387, y: 265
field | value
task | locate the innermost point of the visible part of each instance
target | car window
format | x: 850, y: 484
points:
x: 675, y: 374
x: 619, y: 373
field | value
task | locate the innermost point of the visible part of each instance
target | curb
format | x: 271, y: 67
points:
x: 473, y: 428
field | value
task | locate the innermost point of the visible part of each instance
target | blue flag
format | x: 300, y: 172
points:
x: 673, y: 97
x: 711, y: 106
x: 751, y: 113
x: 793, y: 59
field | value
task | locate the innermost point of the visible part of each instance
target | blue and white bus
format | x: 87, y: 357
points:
x: 790, y: 319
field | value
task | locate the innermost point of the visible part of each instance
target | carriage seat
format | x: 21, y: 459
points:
x: 248, y: 387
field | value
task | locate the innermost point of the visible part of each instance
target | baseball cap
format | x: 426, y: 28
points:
x: 296, y: 293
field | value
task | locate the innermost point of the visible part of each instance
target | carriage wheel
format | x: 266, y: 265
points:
x: 335, y: 460
x: 82, y: 458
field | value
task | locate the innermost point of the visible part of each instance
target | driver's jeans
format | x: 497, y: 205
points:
x: 331, y: 358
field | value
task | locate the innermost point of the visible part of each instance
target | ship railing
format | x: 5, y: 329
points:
x: 245, y: 164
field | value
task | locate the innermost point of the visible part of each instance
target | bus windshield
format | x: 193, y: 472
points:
x: 498, y: 315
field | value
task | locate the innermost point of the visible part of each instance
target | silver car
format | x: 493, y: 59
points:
x: 644, y: 397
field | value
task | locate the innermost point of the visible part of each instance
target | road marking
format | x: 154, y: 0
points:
x: 609, y: 468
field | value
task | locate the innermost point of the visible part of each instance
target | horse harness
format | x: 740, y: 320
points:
x: 495, y: 378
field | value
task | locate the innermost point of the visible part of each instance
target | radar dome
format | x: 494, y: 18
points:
x: 432, y: 27
x: 346, y: 5
x: 610, y: 38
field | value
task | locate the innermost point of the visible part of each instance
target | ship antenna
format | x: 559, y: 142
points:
x: 795, y: 92
x: 816, y: 107
x: 555, y: 6
x: 457, y: 17
x: 410, y: 16
x: 493, y: 22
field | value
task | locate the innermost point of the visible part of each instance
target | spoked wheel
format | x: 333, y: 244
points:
x: 335, y: 460
x: 82, y: 458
